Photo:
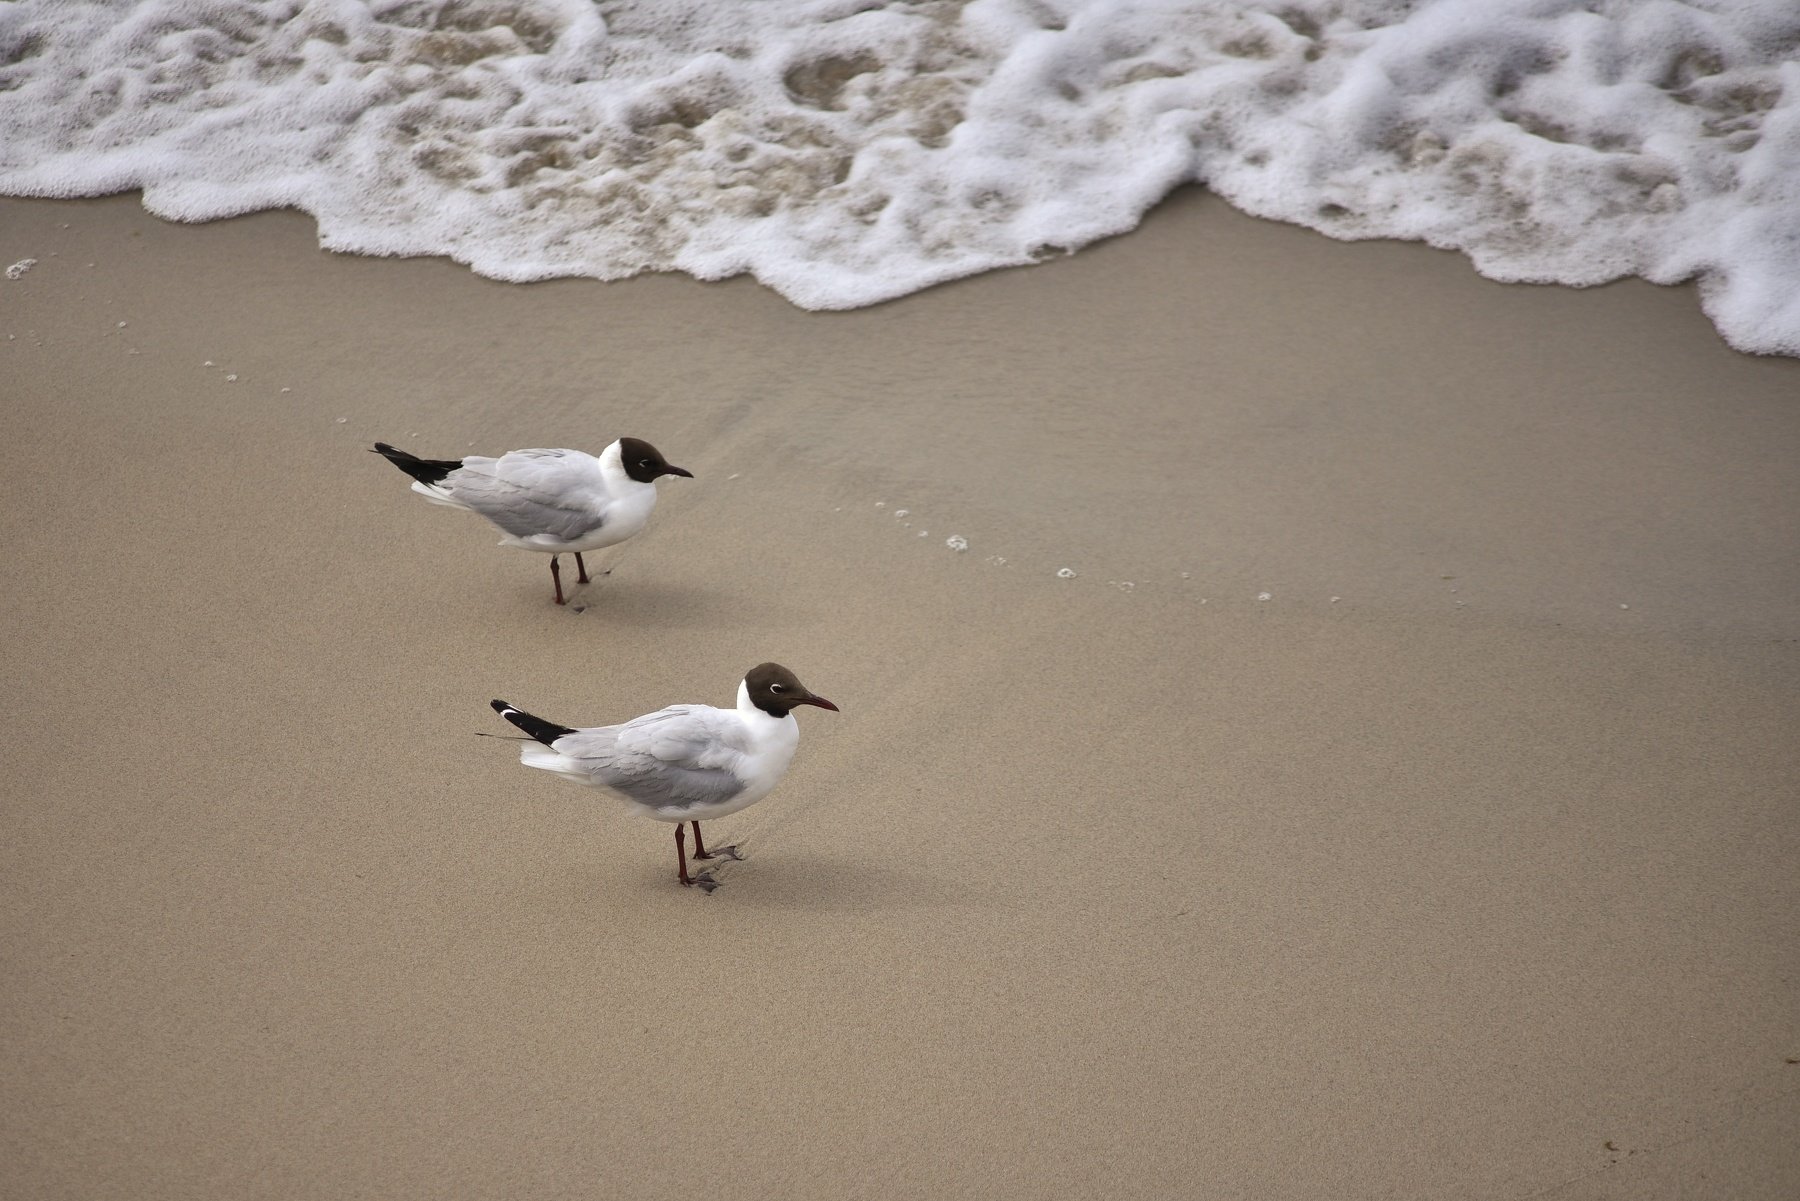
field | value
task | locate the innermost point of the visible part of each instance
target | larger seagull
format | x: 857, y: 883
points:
x: 553, y: 501
x: 686, y: 763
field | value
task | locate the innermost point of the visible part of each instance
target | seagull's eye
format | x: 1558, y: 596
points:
x: 774, y: 687
x: 645, y: 463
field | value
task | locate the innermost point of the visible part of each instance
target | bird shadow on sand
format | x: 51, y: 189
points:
x: 650, y: 604
x: 790, y: 880
x: 807, y: 880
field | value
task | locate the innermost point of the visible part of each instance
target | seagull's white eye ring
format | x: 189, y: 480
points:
x: 774, y: 687
x: 645, y: 463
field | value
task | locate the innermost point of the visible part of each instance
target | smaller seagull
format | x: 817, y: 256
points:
x: 686, y: 763
x: 548, y: 500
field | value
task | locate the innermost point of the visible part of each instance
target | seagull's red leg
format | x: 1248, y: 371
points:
x: 681, y: 850
x: 583, y: 566
x: 556, y: 575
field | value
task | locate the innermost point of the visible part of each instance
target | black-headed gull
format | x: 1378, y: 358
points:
x: 686, y: 763
x: 548, y: 500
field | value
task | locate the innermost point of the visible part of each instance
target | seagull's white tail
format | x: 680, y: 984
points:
x: 437, y: 496
x: 535, y: 755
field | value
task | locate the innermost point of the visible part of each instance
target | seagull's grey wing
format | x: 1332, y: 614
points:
x: 670, y: 759
x: 526, y: 492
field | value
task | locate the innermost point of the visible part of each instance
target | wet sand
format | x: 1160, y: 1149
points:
x: 1461, y: 866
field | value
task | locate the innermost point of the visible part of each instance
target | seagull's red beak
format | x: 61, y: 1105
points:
x: 821, y: 702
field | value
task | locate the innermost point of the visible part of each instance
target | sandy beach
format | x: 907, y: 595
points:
x: 1398, y: 801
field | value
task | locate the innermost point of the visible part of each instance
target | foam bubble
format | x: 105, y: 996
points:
x: 845, y: 153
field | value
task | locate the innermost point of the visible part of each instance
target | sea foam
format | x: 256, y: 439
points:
x: 845, y: 151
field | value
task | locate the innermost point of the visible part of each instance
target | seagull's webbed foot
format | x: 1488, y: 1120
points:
x: 700, y: 851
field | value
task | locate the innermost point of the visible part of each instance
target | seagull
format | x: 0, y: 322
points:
x: 548, y: 500
x: 686, y: 763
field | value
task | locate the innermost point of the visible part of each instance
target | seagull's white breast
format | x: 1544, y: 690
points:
x: 773, y: 741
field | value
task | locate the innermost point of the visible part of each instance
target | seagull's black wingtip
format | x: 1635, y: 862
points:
x: 426, y: 471
x: 545, y: 732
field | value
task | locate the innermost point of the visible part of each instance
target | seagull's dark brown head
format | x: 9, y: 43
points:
x: 776, y: 690
x: 643, y: 462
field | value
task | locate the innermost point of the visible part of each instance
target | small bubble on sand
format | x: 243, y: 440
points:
x: 1065, y: 573
x: 1624, y: 606
x: 997, y: 560
x: 1263, y: 596
x: 838, y: 509
x: 341, y: 420
x: 121, y: 325
x: 1203, y: 600
x: 208, y: 363
x: 231, y: 379
x: 64, y: 225
x: 1123, y: 585
x: 1460, y: 604
x: 1187, y: 575
x: 901, y: 512
x: 287, y: 389
x: 881, y: 504
x: 957, y: 542
x: 923, y: 533
x: 734, y: 475
x: 1336, y: 599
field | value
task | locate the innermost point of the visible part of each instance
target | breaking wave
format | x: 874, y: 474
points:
x: 847, y: 151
